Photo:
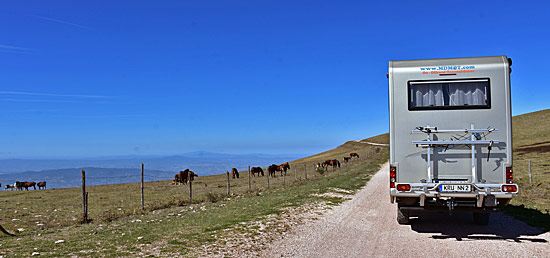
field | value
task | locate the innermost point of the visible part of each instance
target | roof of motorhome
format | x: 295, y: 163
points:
x: 449, y: 61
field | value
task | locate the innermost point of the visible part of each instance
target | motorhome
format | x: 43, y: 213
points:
x: 451, y: 136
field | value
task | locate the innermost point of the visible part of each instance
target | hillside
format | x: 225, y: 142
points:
x: 531, y: 141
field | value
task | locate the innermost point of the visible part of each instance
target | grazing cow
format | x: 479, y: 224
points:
x: 41, y: 185
x: 283, y: 168
x: 346, y: 159
x: 235, y: 173
x: 271, y: 170
x: 353, y: 154
x: 335, y: 163
x: 318, y: 165
x: 11, y: 187
x: 256, y: 170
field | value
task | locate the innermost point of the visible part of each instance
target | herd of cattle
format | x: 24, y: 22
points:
x: 185, y: 176
x: 19, y: 186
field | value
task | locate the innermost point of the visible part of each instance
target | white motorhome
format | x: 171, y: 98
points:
x: 451, y: 136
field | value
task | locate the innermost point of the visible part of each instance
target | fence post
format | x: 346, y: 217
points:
x: 530, y: 175
x: 142, y: 199
x: 295, y: 173
x: 305, y: 170
x: 84, y: 199
x: 228, y: 185
x: 190, y: 190
x: 249, y: 186
x: 267, y: 175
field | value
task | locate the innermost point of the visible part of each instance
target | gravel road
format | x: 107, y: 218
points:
x: 366, y: 226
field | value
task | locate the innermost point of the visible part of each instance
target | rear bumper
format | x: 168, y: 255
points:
x: 430, y: 191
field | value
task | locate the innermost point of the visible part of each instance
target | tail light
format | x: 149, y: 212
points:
x: 509, y: 188
x: 509, y: 175
x: 393, y: 176
x: 403, y: 187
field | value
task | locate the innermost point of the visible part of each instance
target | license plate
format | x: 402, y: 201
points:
x: 455, y: 188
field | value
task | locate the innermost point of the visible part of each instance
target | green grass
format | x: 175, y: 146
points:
x: 531, y: 141
x: 170, y: 225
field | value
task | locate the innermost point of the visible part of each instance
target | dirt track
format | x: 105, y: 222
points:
x: 366, y: 226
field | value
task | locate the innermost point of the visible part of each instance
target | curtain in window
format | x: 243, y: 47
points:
x: 467, y: 94
x: 428, y: 95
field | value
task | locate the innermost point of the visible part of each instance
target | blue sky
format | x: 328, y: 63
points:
x: 100, y: 78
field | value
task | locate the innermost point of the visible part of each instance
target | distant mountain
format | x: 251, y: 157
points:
x: 66, y: 173
x: 204, y: 162
x: 72, y: 177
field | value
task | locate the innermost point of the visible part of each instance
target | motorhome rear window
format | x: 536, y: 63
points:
x: 449, y: 94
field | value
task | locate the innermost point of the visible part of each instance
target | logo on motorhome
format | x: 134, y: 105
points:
x: 448, y: 69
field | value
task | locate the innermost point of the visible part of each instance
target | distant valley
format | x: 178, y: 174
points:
x: 63, y: 173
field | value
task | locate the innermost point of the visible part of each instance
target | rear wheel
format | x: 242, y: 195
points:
x: 481, y: 218
x: 402, y: 216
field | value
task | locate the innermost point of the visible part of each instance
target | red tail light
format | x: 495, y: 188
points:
x: 403, y: 187
x: 509, y: 188
x: 509, y: 175
x: 393, y: 176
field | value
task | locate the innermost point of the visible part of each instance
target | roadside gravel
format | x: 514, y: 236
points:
x: 366, y: 226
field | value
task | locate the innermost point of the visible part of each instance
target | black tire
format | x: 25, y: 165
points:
x: 402, y: 217
x: 481, y: 219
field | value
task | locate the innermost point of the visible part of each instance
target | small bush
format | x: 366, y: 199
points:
x: 320, y: 171
x: 212, y: 197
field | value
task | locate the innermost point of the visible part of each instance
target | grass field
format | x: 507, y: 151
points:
x: 171, y: 225
x: 170, y: 222
x: 531, y: 141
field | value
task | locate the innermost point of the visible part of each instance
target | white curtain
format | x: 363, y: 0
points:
x: 467, y: 94
x: 428, y: 95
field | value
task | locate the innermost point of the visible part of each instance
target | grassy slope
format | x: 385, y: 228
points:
x: 531, y: 141
x: 169, y: 225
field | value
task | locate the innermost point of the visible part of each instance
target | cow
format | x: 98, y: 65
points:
x: 256, y: 170
x: 271, y: 170
x: 235, y: 173
x: 11, y: 187
x: 346, y: 159
x: 41, y: 185
x: 318, y: 165
x: 353, y: 154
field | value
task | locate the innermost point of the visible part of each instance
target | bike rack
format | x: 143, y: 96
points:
x: 475, y: 139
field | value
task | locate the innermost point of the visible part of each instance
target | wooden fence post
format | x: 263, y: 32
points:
x: 228, y: 184
x: 295, y: 173
x: 530, y: 175
x: 249, y: 186
x: 190, y: 190
x: 267, y: 175
x: 84, y: 199
x: 142, y: 199
x: 305, y: 170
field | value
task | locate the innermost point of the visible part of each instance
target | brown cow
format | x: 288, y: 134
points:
x: 41, y: 185
x: 346, y: 159
x: 353, y: 154
x: 11, y: 187
x: 256, y: 170
x: 235, y: 173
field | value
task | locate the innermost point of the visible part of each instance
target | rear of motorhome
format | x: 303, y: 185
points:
x: 451, y: 136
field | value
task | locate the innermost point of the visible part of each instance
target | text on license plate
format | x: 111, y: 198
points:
x: 455, y: 188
